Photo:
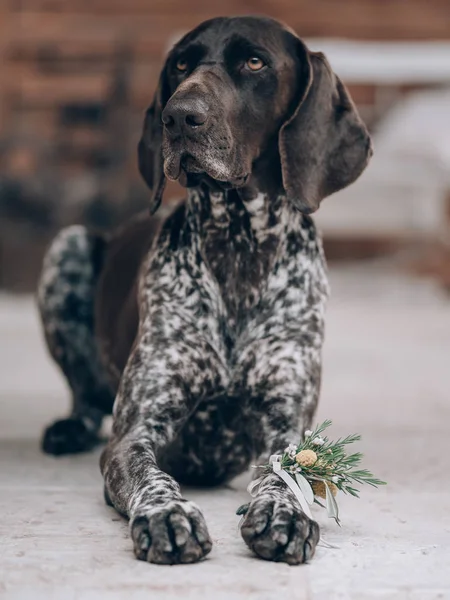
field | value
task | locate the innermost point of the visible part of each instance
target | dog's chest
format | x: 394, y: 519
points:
x: 240, y: 246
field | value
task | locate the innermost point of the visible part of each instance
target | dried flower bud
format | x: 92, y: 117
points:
x: 306, y: 458
x: 320, y: 490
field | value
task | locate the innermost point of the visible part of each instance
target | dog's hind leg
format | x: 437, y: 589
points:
x: 66, y: 297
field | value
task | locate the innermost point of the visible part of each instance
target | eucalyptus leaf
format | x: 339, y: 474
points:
x: 332, y: 507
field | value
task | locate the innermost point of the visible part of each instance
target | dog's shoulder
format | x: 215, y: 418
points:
x: 116, y: 302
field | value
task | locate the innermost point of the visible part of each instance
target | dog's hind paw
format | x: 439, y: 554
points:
x: 68, y: 436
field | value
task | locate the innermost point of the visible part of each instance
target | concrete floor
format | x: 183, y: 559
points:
x: 387, y: 376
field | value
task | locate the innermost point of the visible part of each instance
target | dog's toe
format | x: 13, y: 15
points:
x: 174, y: 533
x: 68, y: 436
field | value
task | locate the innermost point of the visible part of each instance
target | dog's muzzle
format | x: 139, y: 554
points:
x: 185, y: 117
x: 197, y: 141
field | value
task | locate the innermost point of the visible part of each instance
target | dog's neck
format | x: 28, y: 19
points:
x: 240, y: 233
x: 261, y: 201
x: 251, y: 215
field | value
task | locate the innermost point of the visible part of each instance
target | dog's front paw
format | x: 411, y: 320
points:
x: 173, y: 533
x: 277, y: 529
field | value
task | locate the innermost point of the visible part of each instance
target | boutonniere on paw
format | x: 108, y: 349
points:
x: 317, y: 469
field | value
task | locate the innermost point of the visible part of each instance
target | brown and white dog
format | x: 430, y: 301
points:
x: 205, y: 329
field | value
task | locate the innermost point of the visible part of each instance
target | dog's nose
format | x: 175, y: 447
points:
x: 184, y: 114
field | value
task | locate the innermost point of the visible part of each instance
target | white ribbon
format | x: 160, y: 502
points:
x: 302, y: 491
x: 275, y: 461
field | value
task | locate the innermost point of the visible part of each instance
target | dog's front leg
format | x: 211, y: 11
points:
x: 281, y: 382
x: 275, y: 526
x: 160, y: 387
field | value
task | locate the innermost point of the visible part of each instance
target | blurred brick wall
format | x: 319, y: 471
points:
x: 58, y: 52
x: 76, y: 76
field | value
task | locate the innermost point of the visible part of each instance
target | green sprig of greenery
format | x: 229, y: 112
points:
x: 333, y: 464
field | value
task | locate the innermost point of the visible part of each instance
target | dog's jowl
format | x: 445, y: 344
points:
x: 204, y: 329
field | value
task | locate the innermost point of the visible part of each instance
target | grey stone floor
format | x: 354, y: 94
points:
x: 387, y: 376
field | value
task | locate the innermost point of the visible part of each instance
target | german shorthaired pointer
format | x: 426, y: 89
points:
x: 204, y: 329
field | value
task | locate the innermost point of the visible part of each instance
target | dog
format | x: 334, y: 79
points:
x: 202, y: 330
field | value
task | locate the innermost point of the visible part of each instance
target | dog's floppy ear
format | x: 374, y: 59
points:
x: 150, y: 159
x: 324, y: 146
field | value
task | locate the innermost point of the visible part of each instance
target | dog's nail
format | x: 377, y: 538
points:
x: 242, y: 510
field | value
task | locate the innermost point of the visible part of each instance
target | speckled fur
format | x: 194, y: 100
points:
x: 223, y: 354
x: 65, y: 300
x: 226, y: 368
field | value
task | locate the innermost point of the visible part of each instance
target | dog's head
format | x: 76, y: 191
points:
x: 235, y: 89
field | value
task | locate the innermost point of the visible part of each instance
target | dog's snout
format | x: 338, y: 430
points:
x: 183, y: 114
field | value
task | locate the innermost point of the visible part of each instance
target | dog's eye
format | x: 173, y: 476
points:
x: 181, y: 65
x: 255, y: 63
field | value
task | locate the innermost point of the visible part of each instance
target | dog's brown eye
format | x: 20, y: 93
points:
x: 255, y: 64
x: 182, y: 65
